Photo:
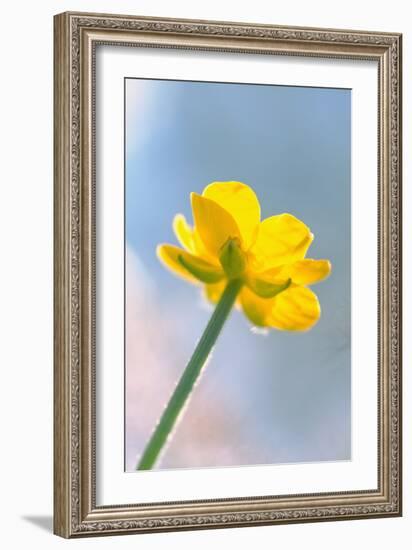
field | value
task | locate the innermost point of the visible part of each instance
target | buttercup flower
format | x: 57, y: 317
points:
x: 229, y: 241
x: 260, y: 266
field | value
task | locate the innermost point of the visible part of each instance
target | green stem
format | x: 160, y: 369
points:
x: 190, y: 375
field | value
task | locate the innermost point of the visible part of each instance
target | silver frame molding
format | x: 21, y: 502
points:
x: 76, y: 36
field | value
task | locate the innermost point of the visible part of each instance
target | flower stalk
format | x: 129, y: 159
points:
x: 190, y: 375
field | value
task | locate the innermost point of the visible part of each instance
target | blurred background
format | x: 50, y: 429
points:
x: 267, y: 398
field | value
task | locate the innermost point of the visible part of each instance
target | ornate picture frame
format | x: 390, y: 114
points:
x: 77, y: 512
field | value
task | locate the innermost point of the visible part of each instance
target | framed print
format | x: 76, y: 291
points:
x: 227, y: 274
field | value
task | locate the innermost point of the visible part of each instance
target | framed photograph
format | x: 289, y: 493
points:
x: 227, y: 274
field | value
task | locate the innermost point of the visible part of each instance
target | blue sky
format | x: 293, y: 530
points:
x: 286, y: 396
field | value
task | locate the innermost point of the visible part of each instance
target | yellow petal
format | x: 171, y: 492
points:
x: 297, y: 308
x: 169, y: 255
x: 214, y: 225
x: 256, y: 309
x: 281, y: 239
x: 214, y: 292
x: 242, y: 204
x: 184, y: 233
x: 190, y: 239
x: 307, y: 272
x: 186, y: 265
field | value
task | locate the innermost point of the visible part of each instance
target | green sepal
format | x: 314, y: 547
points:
x: 232, y: 258
x: 203, y: 271
x: 266, y: 289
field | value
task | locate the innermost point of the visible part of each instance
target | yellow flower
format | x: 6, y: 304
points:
x: 229, y: 241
